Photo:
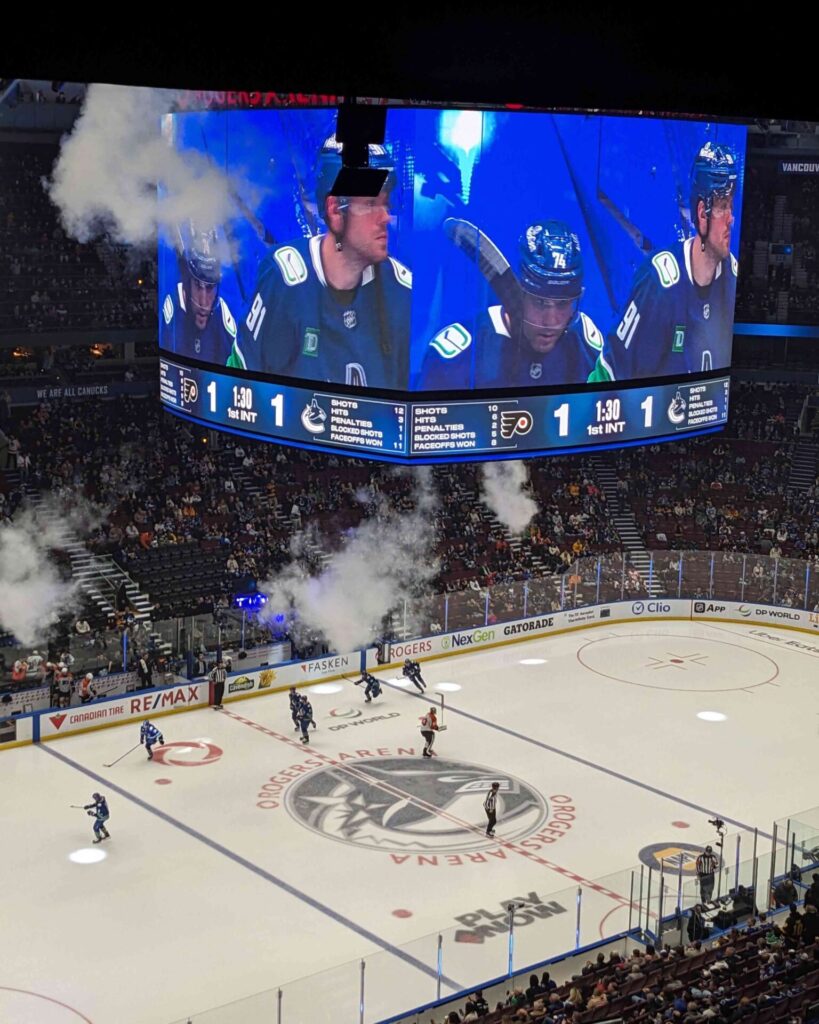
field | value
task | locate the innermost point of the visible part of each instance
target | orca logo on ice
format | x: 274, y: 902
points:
x: 405, y: 806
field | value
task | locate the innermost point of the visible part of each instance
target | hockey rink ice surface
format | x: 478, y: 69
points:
x: 241, y: 860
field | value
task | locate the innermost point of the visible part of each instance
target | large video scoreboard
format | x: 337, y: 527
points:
x: 525, y: 283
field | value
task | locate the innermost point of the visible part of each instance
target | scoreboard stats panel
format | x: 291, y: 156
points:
x: 439, y: 429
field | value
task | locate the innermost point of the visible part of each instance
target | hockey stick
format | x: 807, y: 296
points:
x: 442, y: 727
x: 127, y: 752
x: 77, y: 807
x: 494, y: 266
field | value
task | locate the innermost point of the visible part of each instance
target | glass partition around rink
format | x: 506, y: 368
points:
x: 648, y: 903
x: 188, y: 646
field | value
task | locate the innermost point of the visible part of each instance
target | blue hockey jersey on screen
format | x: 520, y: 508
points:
x: 672, y: 325
x: 492, y: 359
x: 179, y: 333
x: 300, y: 327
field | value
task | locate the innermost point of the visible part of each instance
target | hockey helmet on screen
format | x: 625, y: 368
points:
x: 551, y: 264
x: 714, y: 175
x: 329, y: 164
x: 200, y: 265
x: 550, y: 274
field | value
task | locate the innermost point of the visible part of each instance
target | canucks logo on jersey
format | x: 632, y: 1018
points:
x: 180, y: 332
x: 493, y: 358
x: 299, y: 326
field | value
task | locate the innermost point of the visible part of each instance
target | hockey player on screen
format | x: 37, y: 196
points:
x: 334, y: 307
x: 548, y: 341
x: 680, y: 313
x: 373, y: 687
x: 150, y: 735
x: 195, y: 320
x: 412, y: 671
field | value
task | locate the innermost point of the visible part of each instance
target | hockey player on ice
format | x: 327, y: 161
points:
x: 150, y: 735
x: 334, y: 307
x: 305, y: 718
x: 373, y: 687
x: 295, y: 700
x: 412, y: 671
x: 99, y: 811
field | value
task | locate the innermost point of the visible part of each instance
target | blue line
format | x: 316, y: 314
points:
x: 582, y: 760
x: 250, y: 866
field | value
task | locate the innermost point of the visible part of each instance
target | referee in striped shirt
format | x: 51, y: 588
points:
x: 706, y: 866
x: 490, y: 806
x: 217, y: 677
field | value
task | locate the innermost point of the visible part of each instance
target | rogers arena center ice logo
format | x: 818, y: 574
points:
x: 402, y: 805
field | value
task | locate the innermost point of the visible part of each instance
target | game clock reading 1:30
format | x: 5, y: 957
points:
x: 418, y: 431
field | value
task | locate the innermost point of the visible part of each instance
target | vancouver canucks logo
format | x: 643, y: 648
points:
x: 676, y: 411
x: 411, y: 805
x: 313, y: 417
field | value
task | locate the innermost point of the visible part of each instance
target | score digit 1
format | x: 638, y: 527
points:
x: 561, y: 414
x: 211, y: 390
x: 278, y: 408
x: 648, y: 408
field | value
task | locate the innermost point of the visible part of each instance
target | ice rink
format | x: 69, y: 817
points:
x: 241, y: 861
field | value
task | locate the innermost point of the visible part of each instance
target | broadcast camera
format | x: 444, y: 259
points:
x: 719, y: 825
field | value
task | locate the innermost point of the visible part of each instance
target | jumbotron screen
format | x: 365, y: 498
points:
x: 524, y: 283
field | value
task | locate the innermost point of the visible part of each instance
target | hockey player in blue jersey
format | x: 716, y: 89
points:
x: 304, y: 702
x: 150, y: 735
x: 412, y: 671
x: 305, y: 717
x: 679, y: 316
x: 550, y: 342
x: 195, y: 320
x: 295, y: 700
x: 335, y: 307
x: 99, y: 811
x: 373, y: 687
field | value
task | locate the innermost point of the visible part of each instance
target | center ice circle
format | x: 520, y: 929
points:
x: 413, y: 805
x: 668, y: 661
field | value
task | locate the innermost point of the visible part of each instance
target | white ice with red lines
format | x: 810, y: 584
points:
x: 241, y: 860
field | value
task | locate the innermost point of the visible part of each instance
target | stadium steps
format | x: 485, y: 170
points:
x: 803, y: 465
x: 98, y: 576
x: 248, y: 486
x: 625, y: 524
